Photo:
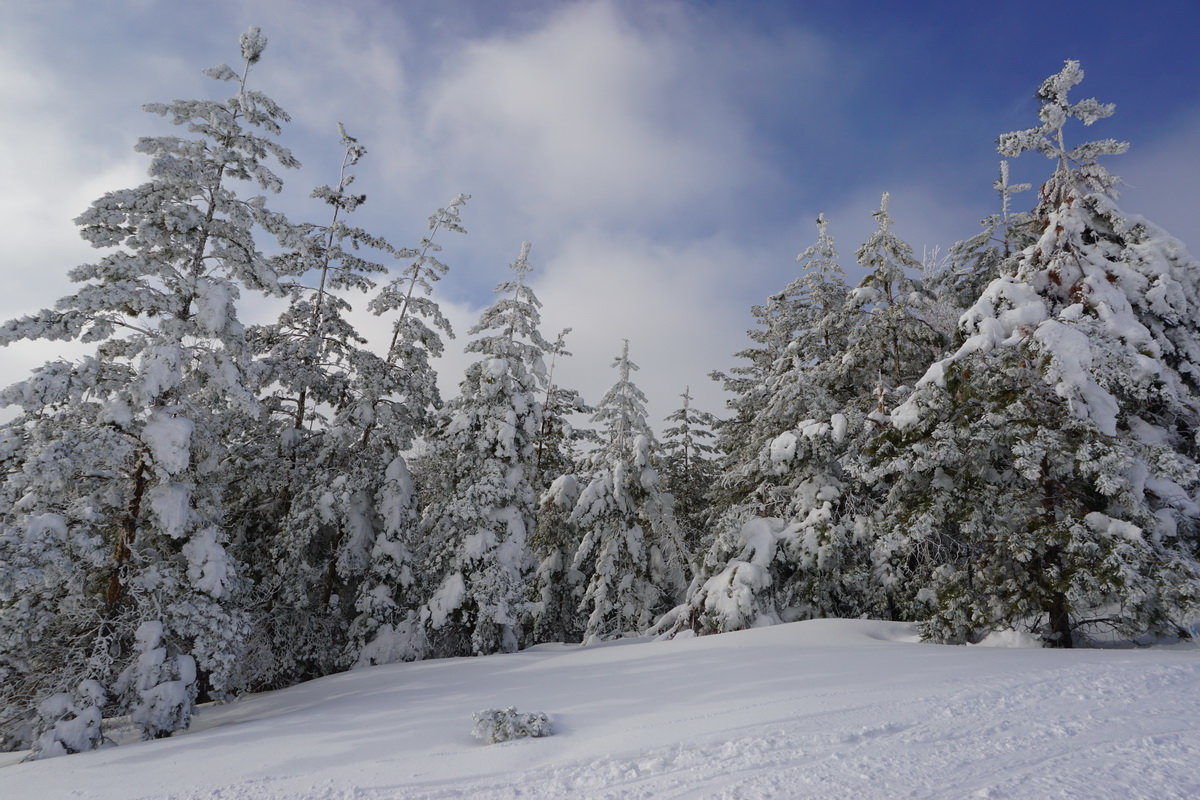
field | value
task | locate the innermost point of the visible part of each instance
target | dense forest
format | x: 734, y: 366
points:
x: 202, y: 507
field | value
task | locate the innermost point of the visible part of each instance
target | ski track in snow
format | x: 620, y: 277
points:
x: 828, y: 709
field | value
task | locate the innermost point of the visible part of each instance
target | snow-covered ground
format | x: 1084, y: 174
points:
x: 823, y: 709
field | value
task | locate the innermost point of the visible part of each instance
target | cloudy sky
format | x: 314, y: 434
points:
x: 666, y: 158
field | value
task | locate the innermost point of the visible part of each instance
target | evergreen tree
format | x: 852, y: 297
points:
x: 307, y: 525
x: 481, y: 507
x: 632, y: 554
x: 799, y: 325
x: 977, y: 261
x: 1042, y: 475
x: 805, y: 380
x: 689, y: 468
x: 783, y: 546
x: 326, y: 479
x: 559, y: 440
x: 395, y: 407
x: 749, y: 386
x: 891, y: 342
x: 556, y: 588
x: 111, y: 509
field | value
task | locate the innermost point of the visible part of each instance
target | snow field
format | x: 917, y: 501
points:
x: 819, y: 709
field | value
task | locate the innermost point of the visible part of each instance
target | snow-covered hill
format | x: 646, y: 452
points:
x: 822, y: 709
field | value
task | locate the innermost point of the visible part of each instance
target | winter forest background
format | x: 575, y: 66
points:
x: 232, y: 478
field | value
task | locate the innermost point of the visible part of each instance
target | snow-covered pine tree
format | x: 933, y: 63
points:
x: 111, y: 508
x: 480, y: 512
x: 977, y: 261
x: 786, y: 546
x: 819, y: 317
x: 816, y: 300
x: 689, y: 467
x: 891, y: 342
x: 394, y: 407
x: 894, y: 337
x: 748, y: 385
x: 1043, y: 476
x: 311, y: 516
x: 556, y: 588
x: 816, y: 422
x: 559, y: 440
x: 632, y: 554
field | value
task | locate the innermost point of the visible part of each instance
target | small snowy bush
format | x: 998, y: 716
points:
x: 70, y: 723
x: 493, y: 725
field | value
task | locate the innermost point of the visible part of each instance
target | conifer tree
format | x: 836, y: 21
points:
x: 631, y: 555
x: 559, y: 439
x: 820, y: 316
x: 783, y: 546
x: 891, y: 343
x: 689, y: 467
x: 556, y: 588
x: 394, y: 407
x: 1042, y: 475
x: 748, y: 385
x: 481, y: 508
x: 978, y: 260
x: 305, y: 515
x: 112, y: 511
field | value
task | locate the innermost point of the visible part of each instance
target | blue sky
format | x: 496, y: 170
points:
x: 666, y: 159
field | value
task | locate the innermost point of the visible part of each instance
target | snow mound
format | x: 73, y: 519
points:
x: 1010, y: 638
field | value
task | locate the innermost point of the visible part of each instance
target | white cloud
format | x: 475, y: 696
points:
x: 329, y: 63
x: 671, y: 302
x: 642, y: 147
x: 51, y: 174
x: 588, y: 119
x: 619, y: 146
x: 619, y: 138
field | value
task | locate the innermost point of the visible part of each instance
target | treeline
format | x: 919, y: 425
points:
x: 201, y: 507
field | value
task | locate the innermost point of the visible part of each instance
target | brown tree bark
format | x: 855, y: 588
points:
x: 125, y: 538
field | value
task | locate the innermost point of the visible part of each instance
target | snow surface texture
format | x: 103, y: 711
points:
x: 820, y: 709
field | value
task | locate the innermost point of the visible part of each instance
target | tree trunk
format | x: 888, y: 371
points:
x: 1057, y: 607
x: 1060, y: 621
x: 129, y: 525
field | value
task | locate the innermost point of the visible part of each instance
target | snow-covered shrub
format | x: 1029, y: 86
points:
x: 160, y: 687
x: 70, y: 723
x: 493, y: 725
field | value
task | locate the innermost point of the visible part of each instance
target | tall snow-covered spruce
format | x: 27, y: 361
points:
x: 632, y: 555
x: 296, y: 505
x: 556, y: 587
x: 689, y: 468
x: 317, y: 480
x: 393, y: 408
x: 976, y: 261
x: 116, y: 587
x: 1043, y: 476
x: 783, y: 537
x: 480, y: 470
